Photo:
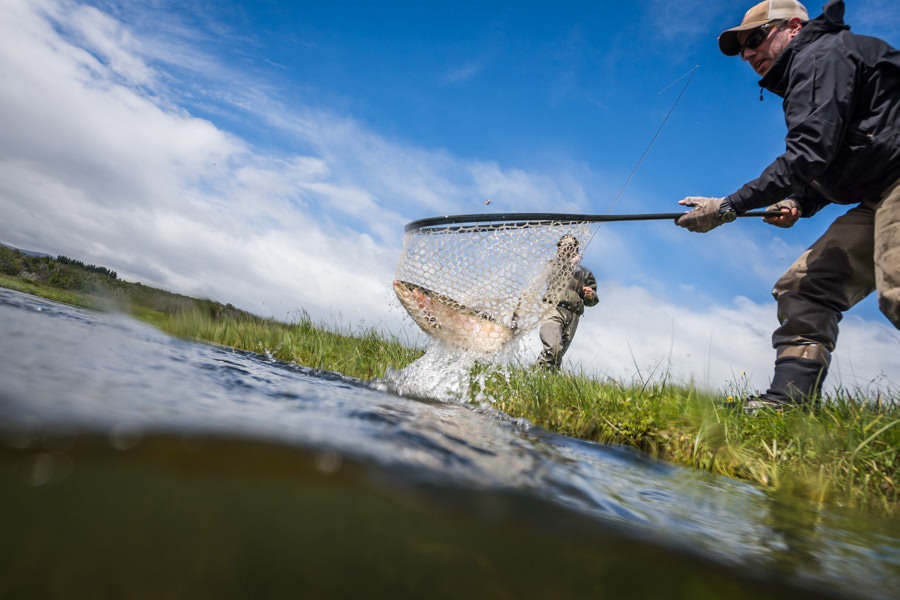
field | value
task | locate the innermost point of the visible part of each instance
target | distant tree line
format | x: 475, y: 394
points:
x: 62, y: 272
x: 70, y: 274
x: 11, y: 261
x: 91, y: 268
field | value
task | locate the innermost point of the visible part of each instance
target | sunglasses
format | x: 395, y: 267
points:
x: 758, y: 36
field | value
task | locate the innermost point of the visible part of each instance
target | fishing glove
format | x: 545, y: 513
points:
x: 708, y: 213
x: 788, y: 203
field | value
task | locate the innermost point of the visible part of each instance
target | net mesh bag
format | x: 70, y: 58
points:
x: 479, y: 283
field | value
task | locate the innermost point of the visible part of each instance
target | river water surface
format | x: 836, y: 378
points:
x: 133, y: 464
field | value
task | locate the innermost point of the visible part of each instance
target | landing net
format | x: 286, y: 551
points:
x: 479, y: 281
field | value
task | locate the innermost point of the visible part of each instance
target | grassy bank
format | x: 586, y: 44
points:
x: 363, y: 355
x: 843, y: 454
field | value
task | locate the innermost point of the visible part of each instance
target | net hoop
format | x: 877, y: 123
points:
x: 482, y: 281
x: 498, y: 220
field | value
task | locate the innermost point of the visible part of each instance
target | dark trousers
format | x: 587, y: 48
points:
x: 556, y: 335
x: 858, y: 254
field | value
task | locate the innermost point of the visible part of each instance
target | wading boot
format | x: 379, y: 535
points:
x: 755, y: 404
x: 797, y: 382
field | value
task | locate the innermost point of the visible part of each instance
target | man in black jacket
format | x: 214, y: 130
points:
x: 841, y: 96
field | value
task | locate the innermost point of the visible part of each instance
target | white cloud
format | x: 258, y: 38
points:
x: 463, y: 73
x: 97, y: 167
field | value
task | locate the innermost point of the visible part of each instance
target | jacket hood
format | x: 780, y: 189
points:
x: 830, y: 21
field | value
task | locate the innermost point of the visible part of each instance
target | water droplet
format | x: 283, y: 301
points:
x: 124, y: 436
x: 329, y: 462
x: 41, y: 471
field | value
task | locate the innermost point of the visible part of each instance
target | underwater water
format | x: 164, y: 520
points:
x: 134, y: 464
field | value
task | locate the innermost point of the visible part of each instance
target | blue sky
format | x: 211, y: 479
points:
x: 268, y: 154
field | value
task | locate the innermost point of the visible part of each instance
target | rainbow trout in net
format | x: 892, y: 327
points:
x: 479, y: 282
x: 445, y: 318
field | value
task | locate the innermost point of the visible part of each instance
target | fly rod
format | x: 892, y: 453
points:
x: 535, y: 219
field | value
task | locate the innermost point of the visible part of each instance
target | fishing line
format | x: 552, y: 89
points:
x: 690, y: 76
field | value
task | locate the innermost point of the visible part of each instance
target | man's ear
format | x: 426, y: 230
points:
x: 794, y: 25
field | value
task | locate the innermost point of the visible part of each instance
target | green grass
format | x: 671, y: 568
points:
x: 845, y: 453
x: 364, y: 355
x: 45, y: 291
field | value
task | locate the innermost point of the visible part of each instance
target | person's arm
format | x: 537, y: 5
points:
x: 810, y: 200
x: 817, y: 108
x: 590, y: 289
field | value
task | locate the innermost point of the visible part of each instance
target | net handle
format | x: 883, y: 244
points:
x: 543, y: 218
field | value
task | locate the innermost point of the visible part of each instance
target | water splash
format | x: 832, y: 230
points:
x: 445, y: 372
x: 442, y: 374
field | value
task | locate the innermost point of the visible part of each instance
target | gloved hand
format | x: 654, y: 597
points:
x: 786, y: 218
x: 706, y: 216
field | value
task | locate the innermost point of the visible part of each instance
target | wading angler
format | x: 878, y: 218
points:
x: 841, y: 96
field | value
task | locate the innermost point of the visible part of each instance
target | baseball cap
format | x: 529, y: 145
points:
x: 569, y: 241
x: 762, y: 13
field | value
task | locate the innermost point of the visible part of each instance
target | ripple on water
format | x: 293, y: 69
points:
x: 74, y: 381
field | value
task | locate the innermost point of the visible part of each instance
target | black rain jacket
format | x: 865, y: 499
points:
x: 842, y: 108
